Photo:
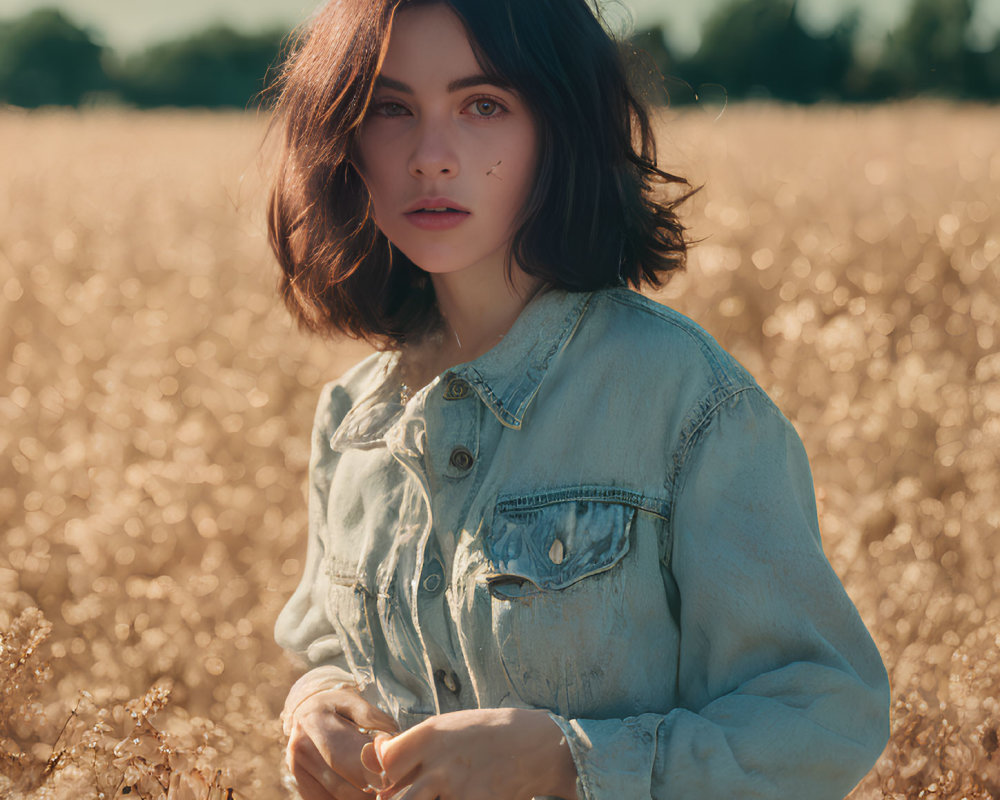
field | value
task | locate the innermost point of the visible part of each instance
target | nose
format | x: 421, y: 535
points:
x: 433, y: 153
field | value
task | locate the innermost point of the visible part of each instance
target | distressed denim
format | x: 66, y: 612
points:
x: 606, y: 517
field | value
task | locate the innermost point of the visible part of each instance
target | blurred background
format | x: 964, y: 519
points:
x: 156, y: 399
x: 217, y: 53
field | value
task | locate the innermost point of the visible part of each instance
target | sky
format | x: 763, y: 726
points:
x: 130, y: 25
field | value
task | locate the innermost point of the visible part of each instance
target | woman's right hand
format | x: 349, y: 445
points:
x: 328, y: 731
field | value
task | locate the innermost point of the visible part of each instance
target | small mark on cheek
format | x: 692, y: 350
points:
x: 493, y: 171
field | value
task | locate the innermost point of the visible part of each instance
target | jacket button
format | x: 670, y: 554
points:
x: 557, y: 552
x: 432, y: 583
x: 457, y: 389
x: 462, y: 459
x: 449, y: 679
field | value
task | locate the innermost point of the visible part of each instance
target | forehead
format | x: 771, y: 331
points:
x: 426, y: 38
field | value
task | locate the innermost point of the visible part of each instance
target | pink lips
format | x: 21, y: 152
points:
x: 437, y: 220
x: 419, y: 215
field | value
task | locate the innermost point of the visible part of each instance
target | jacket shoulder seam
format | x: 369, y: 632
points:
x: 726, y: 371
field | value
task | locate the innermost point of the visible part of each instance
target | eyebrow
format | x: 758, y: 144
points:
x: 459, y: 83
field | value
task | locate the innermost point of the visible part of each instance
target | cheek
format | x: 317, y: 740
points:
x: 511, y: 166
x: 379, y: 190
x: 374, y: 167
x: 515, y: 177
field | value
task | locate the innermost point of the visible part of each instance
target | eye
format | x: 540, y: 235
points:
x: 389, y: 108
x: 487, y: 107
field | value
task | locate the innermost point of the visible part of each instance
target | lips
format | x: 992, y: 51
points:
x: 436, y: 213
x: 436, y: 205
x: 437, y: 220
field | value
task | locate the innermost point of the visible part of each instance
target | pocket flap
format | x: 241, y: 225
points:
x: 554, y: 546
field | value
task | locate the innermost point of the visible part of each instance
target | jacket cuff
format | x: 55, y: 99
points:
x: 319, y: 679
x: 614, y: 758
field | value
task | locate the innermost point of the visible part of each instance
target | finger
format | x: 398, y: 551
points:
x: 338, y: 744
x: 307, y: 759
x: 426, y: 788
x: 364, y: 715
x: 309, y: 787
x: 329, y: 783
x: 395, y: 788
x: 378, y: 743
x: 400, y: 756
x: 369, y: 758
x: 297, y: 751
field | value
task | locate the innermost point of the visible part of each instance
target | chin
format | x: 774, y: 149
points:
x: 442, y: 264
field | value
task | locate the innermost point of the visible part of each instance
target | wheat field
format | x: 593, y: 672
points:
x: 155, y: 403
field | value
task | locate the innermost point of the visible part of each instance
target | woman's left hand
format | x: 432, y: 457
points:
x: 477, y: 754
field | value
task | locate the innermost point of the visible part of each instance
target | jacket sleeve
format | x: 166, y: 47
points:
x: 783, y: 693
x: 303, y: 625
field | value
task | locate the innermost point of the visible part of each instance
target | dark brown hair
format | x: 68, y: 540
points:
x: 593, y: 218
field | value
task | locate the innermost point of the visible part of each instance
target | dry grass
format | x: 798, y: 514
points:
x: 155, y: 403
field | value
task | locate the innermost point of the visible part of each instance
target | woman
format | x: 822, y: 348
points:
x: 561, y: 544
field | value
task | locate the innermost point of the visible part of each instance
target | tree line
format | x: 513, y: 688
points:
x: 749, y: 49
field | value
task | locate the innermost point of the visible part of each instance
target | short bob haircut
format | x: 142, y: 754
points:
x: 592, y: 219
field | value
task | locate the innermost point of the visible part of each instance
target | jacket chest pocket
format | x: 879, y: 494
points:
x: 550, y: 548
x: 557, y: 577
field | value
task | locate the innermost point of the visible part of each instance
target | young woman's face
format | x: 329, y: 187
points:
x: 436, y: 135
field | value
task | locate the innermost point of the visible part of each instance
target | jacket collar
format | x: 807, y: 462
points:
x: 508, y: 376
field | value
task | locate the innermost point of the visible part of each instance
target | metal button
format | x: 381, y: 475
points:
x: 557, y: 552
x: 432, y: 582
x: 457, y: 389
x: 449, y: 679
x: 462, y: 459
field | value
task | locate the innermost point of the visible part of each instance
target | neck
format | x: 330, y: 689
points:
x: 478, y: 309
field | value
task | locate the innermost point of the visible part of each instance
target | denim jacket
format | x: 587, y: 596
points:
x: 606, y: 517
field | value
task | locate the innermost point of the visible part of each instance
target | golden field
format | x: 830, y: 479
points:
x: 155, y: 403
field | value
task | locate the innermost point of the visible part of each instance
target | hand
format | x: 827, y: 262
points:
x: 479, y: 754
x: 328, y: 730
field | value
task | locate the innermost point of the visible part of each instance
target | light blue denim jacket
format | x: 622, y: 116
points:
x: 606, y: 517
